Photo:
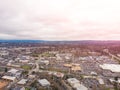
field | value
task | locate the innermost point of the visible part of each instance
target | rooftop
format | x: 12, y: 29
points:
x: 44, y: 82
x: 13, y: 71
x: 9, y: 78
x: 23, y: 81
x: 111, y: 67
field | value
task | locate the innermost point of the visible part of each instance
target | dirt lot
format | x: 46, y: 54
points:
x: 3, y: 84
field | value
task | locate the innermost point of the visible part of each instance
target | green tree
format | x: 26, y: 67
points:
x: 6, y: 69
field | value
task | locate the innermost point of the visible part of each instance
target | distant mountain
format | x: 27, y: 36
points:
x: 62, y: 42
x: 21, y: 41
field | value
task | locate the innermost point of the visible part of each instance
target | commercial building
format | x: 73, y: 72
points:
x: 22, y: 82
x: 44, y: 82
x: 111, y: 67
x: 76, y: 84
x: 9, y: 78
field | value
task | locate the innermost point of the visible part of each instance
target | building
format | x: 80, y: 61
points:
x: 73, y: 81
x: 13, y: 65
x: 76, y: 68
x: 111, y: 67
x: 45, y: 62
x: 113, y: 80
x: 9, y: 78
x: 58, y: 74
x: 93, y: 73
x: 13, y: 71
x: 73, y: 66
x: 80, y: 87
x: 22, y: 82
x: 4, y: 53
x: 76, y: 84
x: 32, y: 76
x: 24, y: 61
x: 17, y: 88
x: 68, y: 65
x: 44, y: 82
x: 101, y: 81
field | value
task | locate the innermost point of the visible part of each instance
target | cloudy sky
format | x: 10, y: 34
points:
x: 60, y: 19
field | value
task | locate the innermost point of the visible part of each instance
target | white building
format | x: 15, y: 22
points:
x: 80, y: 87
x: 10, y: 78
x: 24, y: 61
x: 101, y: 81
x: 73, y: 81
x: 22, y: 82
x: 13, y: 71
x: 44, y: 82
x: 113, y: 80
x: 111, y: 67
x: 58, y: 74
x: 46, y: 62
x: 13, y: 65
x: 76, y: 84
x: 4, y: 53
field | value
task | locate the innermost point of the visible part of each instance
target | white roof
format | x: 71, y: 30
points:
x: 9, y: 78
x: 73, y: 81
x: 93, y: 73
x: 13, y: 71
x: 111, y: 67
x: 23, y: 81
x: 100, y: 80
x: 113, y: 80
x: 32, y: 76
x: 23, y: 88
x: 81, y: 87
x: 45, y: 61
x: 58, y: 74
x: 76, y: 84
x: 44, y: 82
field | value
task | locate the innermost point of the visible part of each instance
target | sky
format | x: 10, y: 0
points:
x: 60, y: 19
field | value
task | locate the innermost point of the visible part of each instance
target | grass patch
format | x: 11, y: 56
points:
x: 26, y: 67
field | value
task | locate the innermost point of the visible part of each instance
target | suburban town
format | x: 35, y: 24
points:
x: 59, y: 44
x: 28, y: 66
